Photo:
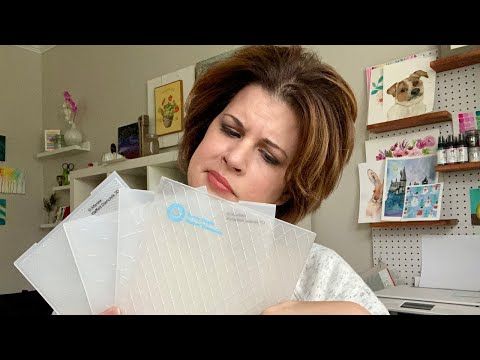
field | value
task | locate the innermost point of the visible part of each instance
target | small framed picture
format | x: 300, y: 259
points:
x: 128, y: 141
x: 168, y: 100
x: 50, y: 139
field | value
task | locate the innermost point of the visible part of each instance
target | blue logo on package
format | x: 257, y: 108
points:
x: 176, y: 212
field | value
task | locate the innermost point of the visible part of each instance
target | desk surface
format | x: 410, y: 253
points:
x: 416, y: 300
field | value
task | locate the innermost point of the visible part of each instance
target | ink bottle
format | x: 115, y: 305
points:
x: 462, y: 149
x: 451, y: 150
x: 441, y: 158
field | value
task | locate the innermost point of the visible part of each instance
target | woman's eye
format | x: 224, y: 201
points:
x: 269, y: 158
x: 230, y: 132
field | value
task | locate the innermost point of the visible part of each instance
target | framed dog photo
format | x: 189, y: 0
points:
x: 168, y: 101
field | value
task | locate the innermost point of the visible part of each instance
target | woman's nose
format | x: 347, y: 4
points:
x: 236, y: 159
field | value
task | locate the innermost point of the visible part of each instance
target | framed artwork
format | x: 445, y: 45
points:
x: 375, y: 85
x: 2, y: 148
x: 50, y: 139
x: 3, y: 211
x: 168, y: 101
x: 423, y: 202
x: 12, y: 180
x: 475, y: 206
x: 371, y: 177
x: 421, y: 143
x: 409, y: 88
x: 400, y: 173
x: 128, y: 141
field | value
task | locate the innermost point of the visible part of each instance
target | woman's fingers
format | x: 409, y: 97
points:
x: 114, y: 310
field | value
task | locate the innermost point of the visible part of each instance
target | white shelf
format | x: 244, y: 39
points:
x: 47, y: 226
x: 70, y: 150
x: 61, y: 188
x: 142, y: 173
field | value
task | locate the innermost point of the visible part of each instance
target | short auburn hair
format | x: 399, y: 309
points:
x: 323, y: 102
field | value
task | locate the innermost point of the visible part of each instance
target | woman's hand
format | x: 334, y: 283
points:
x: 316, y: 308
x: 114, y: 310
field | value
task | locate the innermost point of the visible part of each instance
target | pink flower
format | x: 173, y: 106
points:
x: 421, y: 144
x: 415, y: 152
x: 398, y: 152
x: 380, y: 156
x: 69, y: 107
x: 429, y: 140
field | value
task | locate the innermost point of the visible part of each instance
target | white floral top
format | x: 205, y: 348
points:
x: 327, y: 276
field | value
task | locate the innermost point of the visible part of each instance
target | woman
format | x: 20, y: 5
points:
x: 275, y: 125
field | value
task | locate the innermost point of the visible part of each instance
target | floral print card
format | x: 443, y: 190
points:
x: 423, y: 202
x: 421, y: 143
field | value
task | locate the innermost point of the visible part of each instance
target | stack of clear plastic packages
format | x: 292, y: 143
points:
x: 177, y: 250
x: 51, y: 266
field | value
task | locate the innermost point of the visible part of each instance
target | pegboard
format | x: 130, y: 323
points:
x: 400, y: 248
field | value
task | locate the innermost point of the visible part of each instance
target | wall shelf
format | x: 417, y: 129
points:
x: 456, y: 61
x: 394, y: 224
x: 458, y: 167
x: 420, y: 120
x: 67, y: 150
x: 61, y: 188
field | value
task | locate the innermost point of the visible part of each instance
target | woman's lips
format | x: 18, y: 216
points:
x: 219, y: 182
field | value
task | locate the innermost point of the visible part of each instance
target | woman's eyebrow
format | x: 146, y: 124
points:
x: 265, y: 141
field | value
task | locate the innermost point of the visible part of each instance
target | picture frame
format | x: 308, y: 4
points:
x: 128, y: 141
x: 452, y: 50
x: 168, y: 102
x: 50, y: 139
x: 187, y: 75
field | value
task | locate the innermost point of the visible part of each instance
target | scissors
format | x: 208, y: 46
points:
x: 68, y: 166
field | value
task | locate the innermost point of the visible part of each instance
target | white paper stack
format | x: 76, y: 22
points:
x: 178, y: 250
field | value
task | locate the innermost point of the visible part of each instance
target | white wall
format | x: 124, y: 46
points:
x: 21, y: 123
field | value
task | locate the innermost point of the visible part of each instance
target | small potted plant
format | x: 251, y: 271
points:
x: 49, y: 205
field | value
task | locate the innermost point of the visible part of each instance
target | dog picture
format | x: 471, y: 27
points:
x: 408, y: 94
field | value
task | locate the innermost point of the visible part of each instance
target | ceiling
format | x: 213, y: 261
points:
x: 40, y: 49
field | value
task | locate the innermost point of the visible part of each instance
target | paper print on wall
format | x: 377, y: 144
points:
x: 3, y: 211
x: 371, y: 177
x: 409, y: 88
x: 475, y: 206
x: 2, y: 148
x: 400, y: 173
x: 168, y: 108
x: 12, y: 181
x: 421, y: 143
x: 423, y: 202
x: 375, y: 82
x: 375, y: 96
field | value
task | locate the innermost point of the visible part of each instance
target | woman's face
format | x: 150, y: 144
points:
x: 247, y: 149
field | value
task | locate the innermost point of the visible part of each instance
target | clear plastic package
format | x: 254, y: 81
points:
x: 200, y: 254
